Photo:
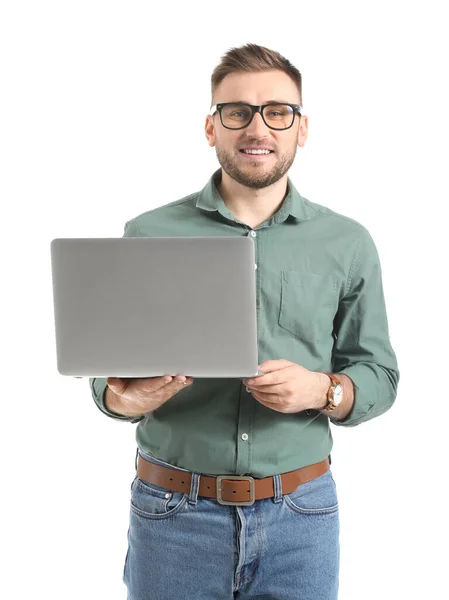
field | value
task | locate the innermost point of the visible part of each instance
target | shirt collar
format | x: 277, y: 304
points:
x: 209, y: 199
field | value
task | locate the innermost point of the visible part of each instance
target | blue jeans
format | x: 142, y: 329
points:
x: 184, y: 546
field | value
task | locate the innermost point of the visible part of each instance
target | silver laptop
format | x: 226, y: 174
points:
x: 152, y: 306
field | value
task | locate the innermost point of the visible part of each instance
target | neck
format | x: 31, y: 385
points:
x: 251, y: 206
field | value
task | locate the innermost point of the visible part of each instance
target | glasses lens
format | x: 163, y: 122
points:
x: 279, y: 116
x: 235, y: 115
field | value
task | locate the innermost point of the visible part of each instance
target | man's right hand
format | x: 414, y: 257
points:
x: 136, y: 397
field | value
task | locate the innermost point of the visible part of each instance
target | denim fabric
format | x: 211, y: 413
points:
x: 185, y: 546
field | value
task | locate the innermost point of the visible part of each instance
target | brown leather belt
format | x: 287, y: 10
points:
x: 228, y: 489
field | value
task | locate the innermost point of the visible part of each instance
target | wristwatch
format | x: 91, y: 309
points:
x: 334, y: 393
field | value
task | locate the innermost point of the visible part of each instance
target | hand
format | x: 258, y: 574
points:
x: 135, y: 396
x: 286, y: 387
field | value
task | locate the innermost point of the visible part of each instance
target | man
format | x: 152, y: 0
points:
x: 324, y: 354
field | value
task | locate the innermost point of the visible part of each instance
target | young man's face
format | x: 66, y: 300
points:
x: 256, y: 88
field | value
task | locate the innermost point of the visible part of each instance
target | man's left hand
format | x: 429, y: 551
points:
x: 286, y: 387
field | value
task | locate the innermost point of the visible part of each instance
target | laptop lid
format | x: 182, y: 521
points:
x: 153, y: 306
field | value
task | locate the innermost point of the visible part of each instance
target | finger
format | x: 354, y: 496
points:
x: 261, y: 398
x: 179, y: 380
x: 270, y: 385
x: 266, y: 389
x: 147, y: 384
x: 117, y: 385
x: 261, y: 380
x: 175, y: 382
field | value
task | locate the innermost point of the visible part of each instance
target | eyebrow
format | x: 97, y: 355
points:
x: 267, y: 102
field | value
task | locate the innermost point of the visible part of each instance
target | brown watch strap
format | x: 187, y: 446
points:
x: 334, y: 381
x: 333, y: 378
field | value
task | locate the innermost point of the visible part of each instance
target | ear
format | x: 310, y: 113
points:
x: 303, y: 131
x: 209, y: 130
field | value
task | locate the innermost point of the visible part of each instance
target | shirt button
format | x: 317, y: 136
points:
x: 244, y: 436
x: 253, y: 233
x: 255, y: 265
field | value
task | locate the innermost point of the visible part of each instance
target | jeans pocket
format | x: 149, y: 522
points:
x: 151, y: 501
x: 315, y: 497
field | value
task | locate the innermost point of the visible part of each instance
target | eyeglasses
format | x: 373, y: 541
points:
x: 237, y: 115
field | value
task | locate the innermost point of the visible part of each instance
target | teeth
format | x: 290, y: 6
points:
x: 256, y: 151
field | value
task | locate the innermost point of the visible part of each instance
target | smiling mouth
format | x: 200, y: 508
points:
x: 256, y: 156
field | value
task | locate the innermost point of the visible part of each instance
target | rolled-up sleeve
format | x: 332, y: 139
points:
x: 362, y: 348
x: 98, y: 385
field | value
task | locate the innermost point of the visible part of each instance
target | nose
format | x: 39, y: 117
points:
x: 257, y: 127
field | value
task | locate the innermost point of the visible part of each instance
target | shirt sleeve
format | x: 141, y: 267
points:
x: 362, y: 348
x: 98, y: 385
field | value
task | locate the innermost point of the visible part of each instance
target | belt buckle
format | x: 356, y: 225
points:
x: 252, y: 491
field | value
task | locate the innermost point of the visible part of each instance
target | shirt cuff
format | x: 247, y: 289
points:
x: 365, y: 385
x: 98, y: 387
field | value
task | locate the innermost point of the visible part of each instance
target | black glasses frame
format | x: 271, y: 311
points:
x: 297, y: 108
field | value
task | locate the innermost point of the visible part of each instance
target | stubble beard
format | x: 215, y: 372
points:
x: 256, y: 176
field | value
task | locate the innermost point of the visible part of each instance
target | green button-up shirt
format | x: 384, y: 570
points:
x: 320, y: 304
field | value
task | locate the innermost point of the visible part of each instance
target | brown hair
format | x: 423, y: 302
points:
x: 250, y: 58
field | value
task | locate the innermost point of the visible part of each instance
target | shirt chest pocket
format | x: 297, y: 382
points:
x: 309, y: 302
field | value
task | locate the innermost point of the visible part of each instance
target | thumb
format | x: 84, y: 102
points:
x: 116, y: 384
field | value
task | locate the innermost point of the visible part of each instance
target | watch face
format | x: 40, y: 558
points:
x: 338, y: 392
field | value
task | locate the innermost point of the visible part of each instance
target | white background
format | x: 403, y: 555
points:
x: 84, y: 149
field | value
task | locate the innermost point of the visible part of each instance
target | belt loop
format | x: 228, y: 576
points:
x: 277, y: 485
x: 194, y: 488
